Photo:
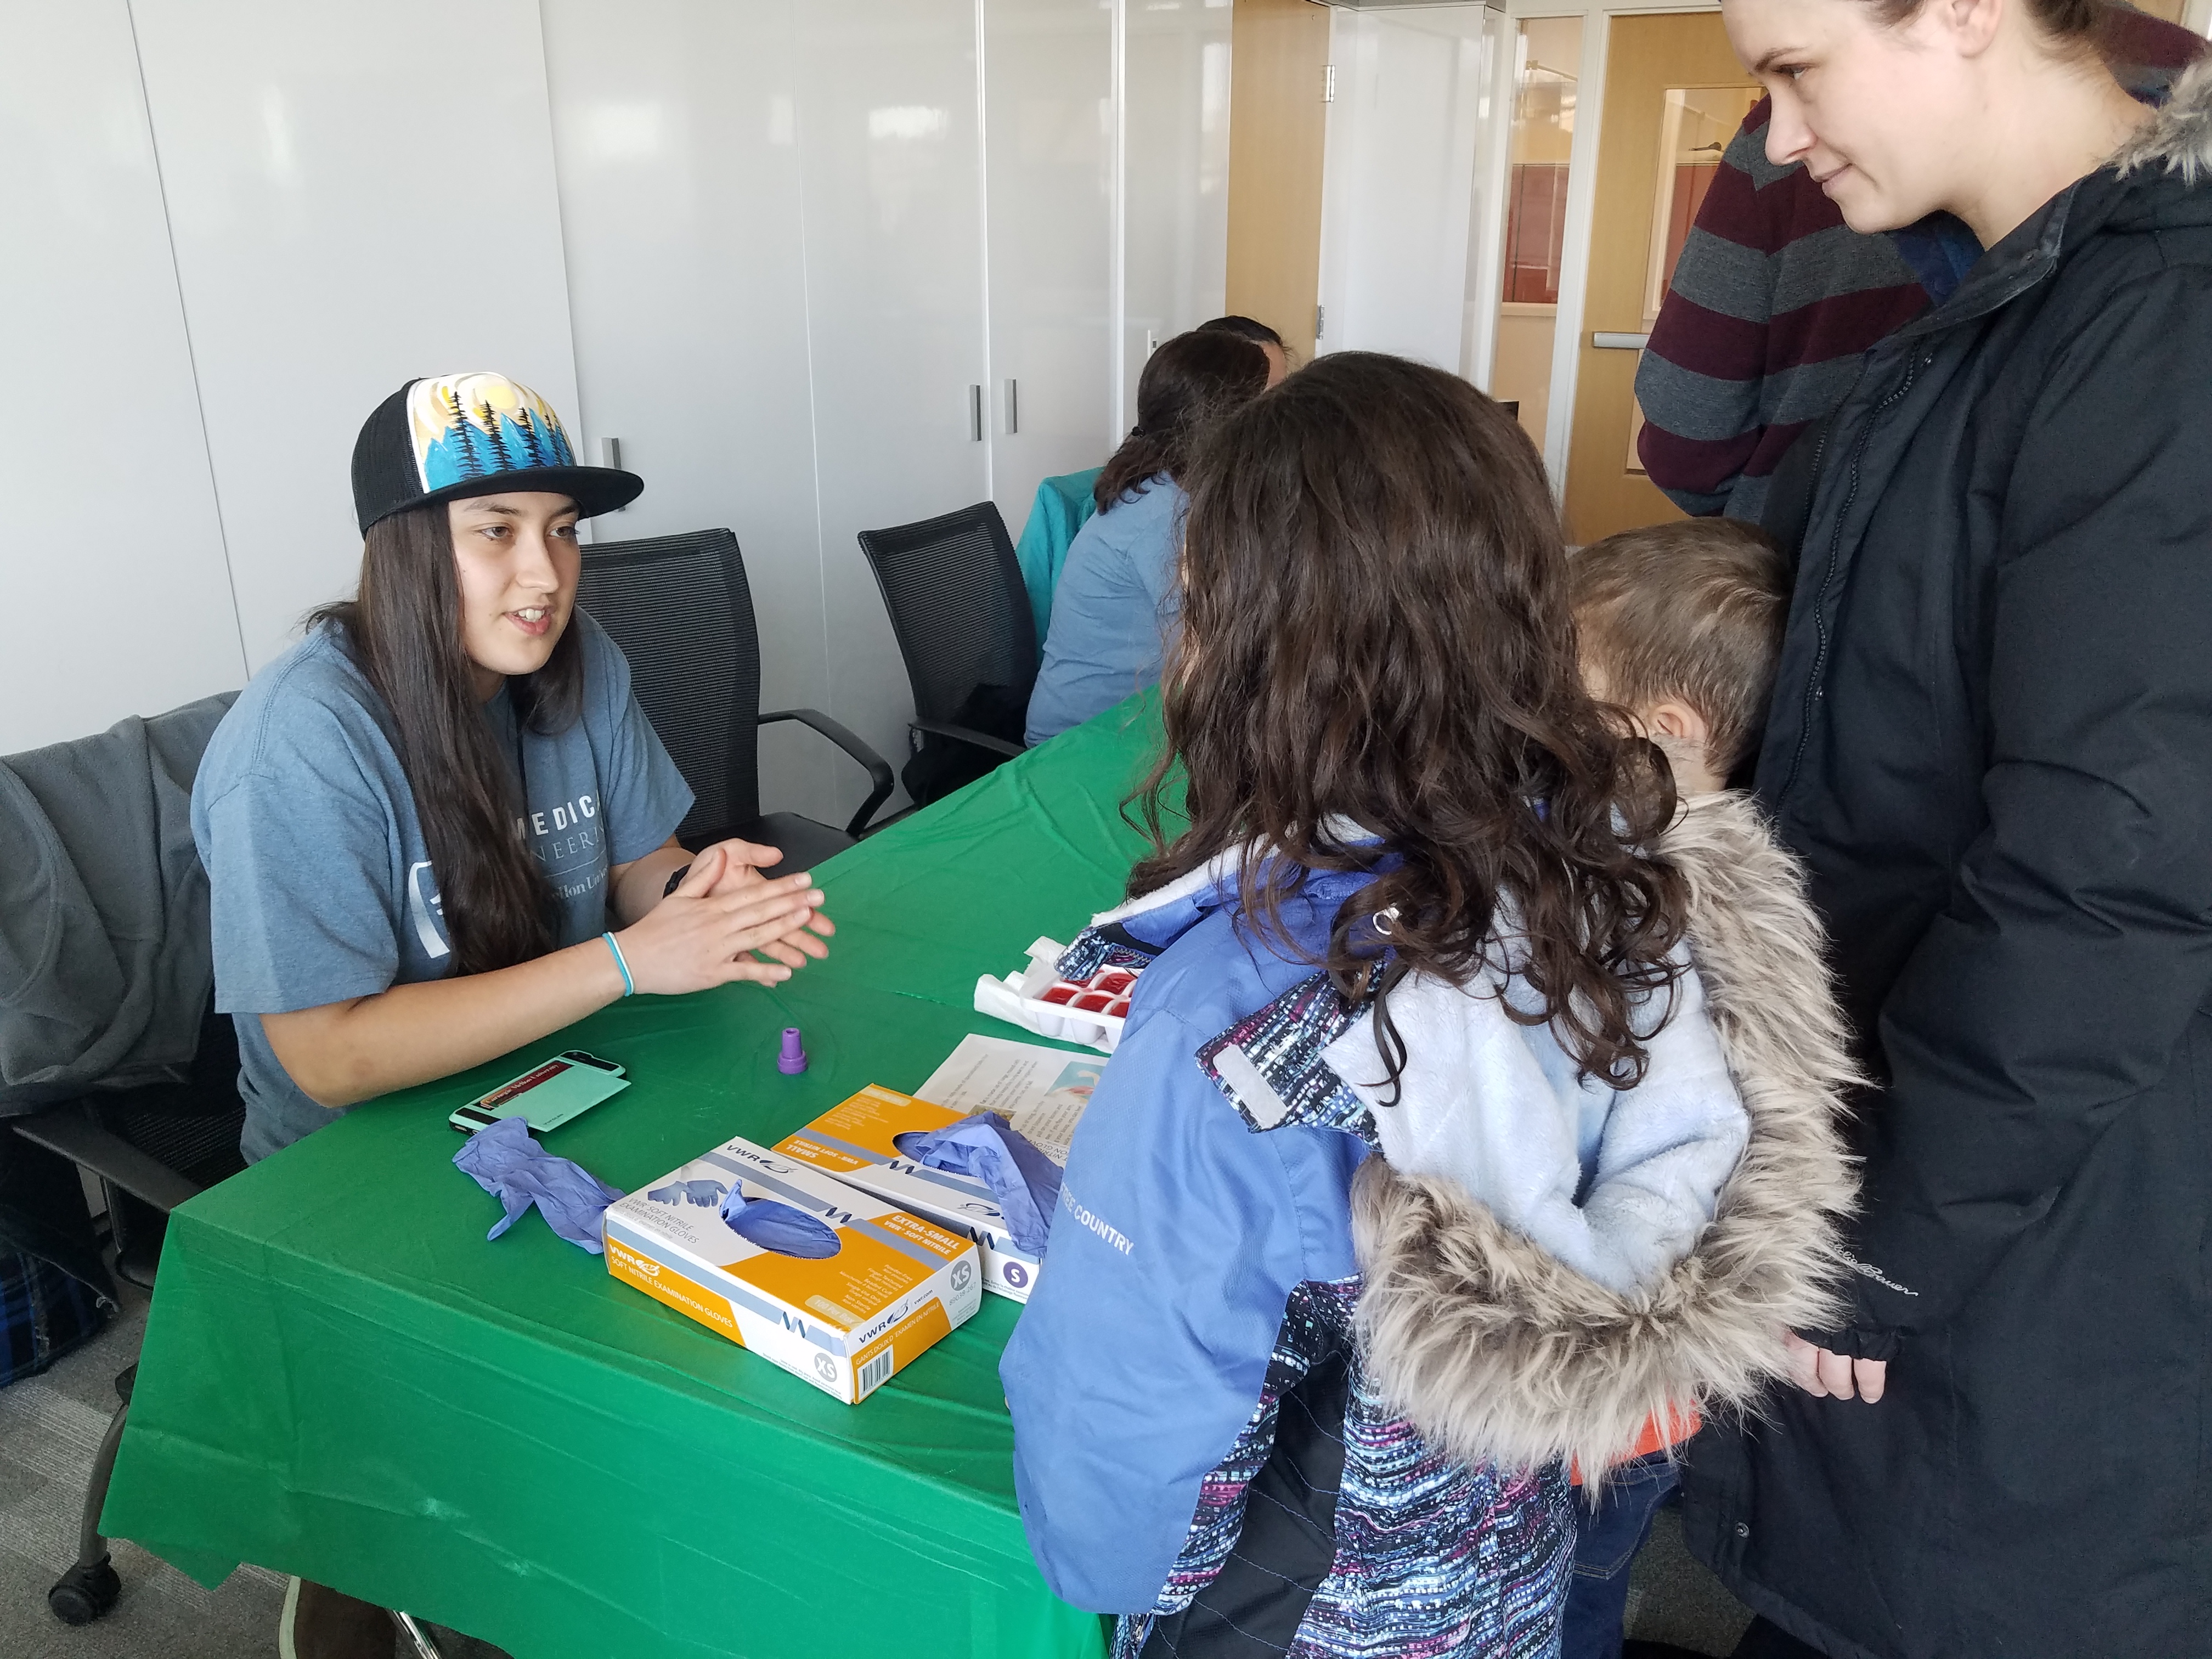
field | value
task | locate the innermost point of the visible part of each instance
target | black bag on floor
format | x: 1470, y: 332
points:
x: 44, y: 1314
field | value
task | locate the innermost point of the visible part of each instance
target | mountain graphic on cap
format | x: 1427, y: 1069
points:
x: 446, y: 437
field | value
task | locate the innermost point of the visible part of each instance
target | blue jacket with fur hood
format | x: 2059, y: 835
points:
x: 1311, y: 1360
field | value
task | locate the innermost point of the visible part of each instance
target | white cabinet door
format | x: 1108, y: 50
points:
x: 114, y: 598
x: 675, y: 130
x: 1048, y: 149
x: 1175, y: 178
x: 358, y: 195
x: 888, y: 142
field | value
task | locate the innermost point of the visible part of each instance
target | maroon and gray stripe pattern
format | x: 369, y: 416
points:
x: 1774, y: 300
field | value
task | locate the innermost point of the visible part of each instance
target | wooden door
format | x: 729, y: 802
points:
x: 1674, y: 95
x: 1278, y: 64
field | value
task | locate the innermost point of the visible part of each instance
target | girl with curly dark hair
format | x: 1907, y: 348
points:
x: 1454, y: 1130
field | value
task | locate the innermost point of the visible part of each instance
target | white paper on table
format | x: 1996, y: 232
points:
x: 1041, y: 1091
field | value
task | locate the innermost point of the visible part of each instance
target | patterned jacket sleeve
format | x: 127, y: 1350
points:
x: 1142, y: 1354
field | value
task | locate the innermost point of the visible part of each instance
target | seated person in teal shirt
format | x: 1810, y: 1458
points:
x: 1113, y: 606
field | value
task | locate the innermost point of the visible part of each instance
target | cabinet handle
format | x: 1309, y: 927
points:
x: 975, y: 413
x: 1013, y: 408
x: 1605, y: 341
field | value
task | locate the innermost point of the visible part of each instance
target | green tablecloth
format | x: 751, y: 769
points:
x: 343, y: 1379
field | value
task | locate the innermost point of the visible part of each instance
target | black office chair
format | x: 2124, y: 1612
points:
x: 681, y: 611
x: 153, y: 1132
x: 962, y: 617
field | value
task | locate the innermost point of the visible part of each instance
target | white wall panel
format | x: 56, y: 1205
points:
x: 887, y: 117
x: 1048, y: 143
x: 115, y: 599
x: 357, y: 195
x: 1175, y: 176
x: 676, y: 128
x: 1398, y: 181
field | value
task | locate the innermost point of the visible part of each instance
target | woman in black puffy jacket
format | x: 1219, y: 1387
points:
x: 1991, y: 743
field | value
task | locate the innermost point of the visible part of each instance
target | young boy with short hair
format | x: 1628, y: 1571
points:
x: 1680, y: 626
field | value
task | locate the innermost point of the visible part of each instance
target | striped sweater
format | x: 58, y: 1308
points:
x: 1775, y: 299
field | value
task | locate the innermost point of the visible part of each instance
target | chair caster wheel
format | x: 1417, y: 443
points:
x: 83, y: 1593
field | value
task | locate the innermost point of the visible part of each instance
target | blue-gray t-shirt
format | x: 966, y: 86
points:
x: 1112, y: 610
x: 320, y: 886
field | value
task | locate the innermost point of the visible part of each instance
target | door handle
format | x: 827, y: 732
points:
x: 1607, y: 341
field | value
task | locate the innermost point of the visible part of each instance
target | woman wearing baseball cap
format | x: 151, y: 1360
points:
x: 440, y: 828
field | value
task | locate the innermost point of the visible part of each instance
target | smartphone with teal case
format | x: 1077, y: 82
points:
x: 546, y: 1095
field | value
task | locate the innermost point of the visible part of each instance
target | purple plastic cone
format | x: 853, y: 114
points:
x: 792, y: 1060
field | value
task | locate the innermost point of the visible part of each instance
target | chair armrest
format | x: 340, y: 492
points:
x: 878, y: 769
x: 969, y: 734
x: 70, y: 1130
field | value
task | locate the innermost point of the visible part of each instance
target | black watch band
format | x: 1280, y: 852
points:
x: 676, y: 881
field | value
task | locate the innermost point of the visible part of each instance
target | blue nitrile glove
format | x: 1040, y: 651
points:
x: 515, y: 1170
x: 704, y: 1193
x: 778, y: 1226
x: 1023, y: 1180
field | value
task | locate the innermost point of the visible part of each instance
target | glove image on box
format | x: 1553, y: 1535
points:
x: 705, y: 1193
x: 983, y: 1145
x: 777, y: 1226
x: 507, y: 1164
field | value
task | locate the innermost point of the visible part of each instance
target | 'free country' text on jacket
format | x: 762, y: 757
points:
x: 1307, y: 1369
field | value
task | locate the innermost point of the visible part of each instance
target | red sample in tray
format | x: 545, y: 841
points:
x: 1106, y: 992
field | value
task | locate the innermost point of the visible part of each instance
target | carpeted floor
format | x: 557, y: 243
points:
x: 50, y: 1425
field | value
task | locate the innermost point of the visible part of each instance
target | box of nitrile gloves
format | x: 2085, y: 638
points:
x: 835, y: 1286
x: 855, y: 1141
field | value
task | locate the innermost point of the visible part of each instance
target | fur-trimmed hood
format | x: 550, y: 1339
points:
x: 2178, y: 139
x: 1500, y: 1353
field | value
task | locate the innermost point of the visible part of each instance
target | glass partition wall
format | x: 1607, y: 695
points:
x: 1547, y: 51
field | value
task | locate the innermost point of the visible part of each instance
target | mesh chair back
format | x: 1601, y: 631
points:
x: 961, y: 616
x: 679, y: 608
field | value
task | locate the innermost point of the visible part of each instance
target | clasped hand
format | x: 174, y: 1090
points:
x: 706, y: 931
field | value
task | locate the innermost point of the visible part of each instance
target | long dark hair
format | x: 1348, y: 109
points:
x: 403, y: 629
x: 1191, y: 380
x: 1376, y: 631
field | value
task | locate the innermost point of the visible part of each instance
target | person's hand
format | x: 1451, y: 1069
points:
x: 1828, y: 1375
x: 696, y: 938
x: 742, y: 864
